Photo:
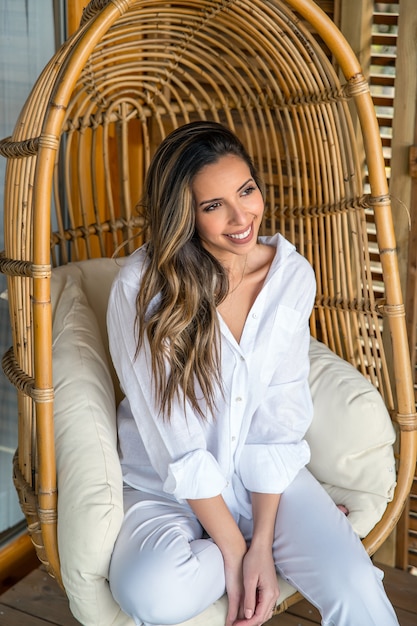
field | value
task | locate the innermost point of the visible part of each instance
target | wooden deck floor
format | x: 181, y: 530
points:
x: 38, y: 601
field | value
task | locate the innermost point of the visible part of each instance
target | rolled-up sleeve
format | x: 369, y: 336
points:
x: 271, y: 468
x: 195, y: 475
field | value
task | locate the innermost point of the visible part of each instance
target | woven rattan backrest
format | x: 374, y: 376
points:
x: 129, y: 75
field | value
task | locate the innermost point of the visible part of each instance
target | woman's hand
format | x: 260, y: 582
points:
x: 250, y: 577
x: 260, y: 585
x: 216, y: 518
x: 233, y: 569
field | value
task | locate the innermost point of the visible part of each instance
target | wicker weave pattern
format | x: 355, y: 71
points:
x: 134, y: 71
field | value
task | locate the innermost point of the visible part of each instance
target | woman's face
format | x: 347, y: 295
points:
x: 229, y: 207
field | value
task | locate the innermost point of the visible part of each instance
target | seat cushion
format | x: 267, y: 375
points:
x: 351, y: 441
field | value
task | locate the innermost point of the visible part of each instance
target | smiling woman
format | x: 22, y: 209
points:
x: 228, y: 228
x: 209, y: 334
x: 228, y: 225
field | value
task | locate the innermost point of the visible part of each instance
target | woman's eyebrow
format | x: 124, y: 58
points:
x: 245, y: 183
x: 217, y: 199
x: 209, y: 201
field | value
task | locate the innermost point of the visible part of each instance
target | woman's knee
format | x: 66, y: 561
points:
x: 141, y: 585
x: 161, y: 587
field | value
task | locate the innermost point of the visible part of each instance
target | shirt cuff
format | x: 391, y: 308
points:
x: 196, y: 475
x: 270, y: 468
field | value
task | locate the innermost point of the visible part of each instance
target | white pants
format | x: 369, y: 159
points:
x: 163, y: 570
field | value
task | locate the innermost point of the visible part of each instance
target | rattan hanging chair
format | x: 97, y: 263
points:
x: 133, y: 71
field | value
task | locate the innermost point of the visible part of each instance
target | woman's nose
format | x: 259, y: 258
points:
x: 237, y: 214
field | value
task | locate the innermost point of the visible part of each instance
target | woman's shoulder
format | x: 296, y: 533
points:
x: 291, y: 277
x: 286, y: 253
x: 132, y: 266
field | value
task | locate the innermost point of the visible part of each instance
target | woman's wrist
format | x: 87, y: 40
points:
x: 233, y: 551
x: 215, y: 517
x: 264, y: 508
x: 262, y: 542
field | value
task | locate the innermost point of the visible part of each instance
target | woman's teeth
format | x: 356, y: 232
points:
x: 242, y: 235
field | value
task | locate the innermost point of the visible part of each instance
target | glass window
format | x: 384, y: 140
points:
x: 27, y: 42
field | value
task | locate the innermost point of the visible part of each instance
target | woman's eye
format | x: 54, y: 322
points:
x: 211, y: 207
x: 248, y: 190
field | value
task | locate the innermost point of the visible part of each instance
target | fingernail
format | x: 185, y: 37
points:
x: 248, y: 613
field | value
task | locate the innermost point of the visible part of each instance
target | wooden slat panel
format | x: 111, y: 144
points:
x: 383, y: 55
x: 407, y: 530
x: 382, y: 79
x: 383, y: 101
x: 384, y: 59
x: 385, y: 39
x: 390, y: 19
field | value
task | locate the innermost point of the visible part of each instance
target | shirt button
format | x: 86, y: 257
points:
x: 254, y: 315
x: 233, y: 438
x: 238, y: 399
x: 242, y: 358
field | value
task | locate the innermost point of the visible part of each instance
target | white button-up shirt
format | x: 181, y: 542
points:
x: 255, y: 441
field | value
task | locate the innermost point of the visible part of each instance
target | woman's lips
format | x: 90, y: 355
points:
x: 241, y: 237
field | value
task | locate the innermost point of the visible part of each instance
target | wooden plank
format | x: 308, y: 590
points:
x: 38, y: 601
x: 17, y: 559
x: 401, y: 588
x: 12, y: 617
x: 413, y: 161
x: 40, y: 596
x: 305, y: 613
x: 288, y: 619
x: 406, y: 618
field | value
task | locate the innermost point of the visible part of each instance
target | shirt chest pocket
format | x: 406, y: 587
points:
x: 278, y: 340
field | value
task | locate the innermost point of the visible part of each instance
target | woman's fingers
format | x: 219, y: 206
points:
x: 250, y: 599
x: 264, y: 610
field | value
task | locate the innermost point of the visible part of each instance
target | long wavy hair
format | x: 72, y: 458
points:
x: 182, y: 328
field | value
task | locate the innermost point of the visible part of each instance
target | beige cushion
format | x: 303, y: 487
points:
x: 90, y: 507
x: 351, y: 439
x: 96, y: 290
x: 350, y: 454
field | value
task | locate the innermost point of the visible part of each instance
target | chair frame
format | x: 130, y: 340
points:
x: 32, y: 155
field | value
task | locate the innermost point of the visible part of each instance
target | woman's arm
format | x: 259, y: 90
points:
x: 220, y: 525
x: 259, y: 574
x: 265, y: 508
